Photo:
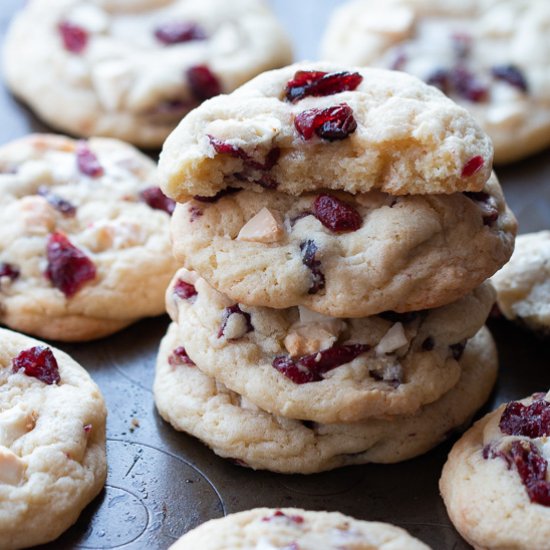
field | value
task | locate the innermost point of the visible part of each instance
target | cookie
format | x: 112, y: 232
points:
x: 295, y: 528
x: 345, y: 255
x: 523, y: 284
x: 131, y: 70
x: 490, y: 57
x: 84, y: 237
x: 317, y: 125
x: 495, y: 484
x: 235, y: 428
x: 300, y: 364
x: 52, y: 441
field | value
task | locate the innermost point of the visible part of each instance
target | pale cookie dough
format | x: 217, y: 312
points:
x: 294, y: 528
x: 492, y: 57
x: 386, y: 131
x: 131, y: 70
x: 299, y: 364
x: 495, y: 483
x: 52, y: 441
x: 523, y: 284
x: 84, y: 237
x: 235, y: 428
x: 402, y: 253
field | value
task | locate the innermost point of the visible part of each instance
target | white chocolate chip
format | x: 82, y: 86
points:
x: 14, y: 423
x: 12, y: 468
x: 115, y: 235
x: 37, y: 215
x: 264, y: 227
x: 253, y: 133
x: 112, y: 79
x: 235, y: 327
x: 392, y: 340
x: 89, y: 17
x: 395, y: 22
x: 304, y: 339
x: 188, y: 276
x: 309, y: 316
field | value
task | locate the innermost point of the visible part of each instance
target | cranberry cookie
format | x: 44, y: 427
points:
x: 131, y: 70
x: 491, y: 57
x: 313, y: 126
x: 52, y: 441
x: 84, y: 237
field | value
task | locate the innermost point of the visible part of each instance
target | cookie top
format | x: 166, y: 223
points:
x: 268, y: 528
x: 311, y: 126
x: 299, y: 364
x: 84, y: 237
x: 235, y: 428
x: 345, y: 255
x: 495, y: 483
x: 52, y: 441
x: 491, y: 57
x: 523, y: 284
x: 130, y: 69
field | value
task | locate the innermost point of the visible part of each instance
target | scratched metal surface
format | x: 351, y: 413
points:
x: 162, y: 483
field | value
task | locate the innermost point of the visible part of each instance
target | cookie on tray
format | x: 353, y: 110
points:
x: 131, y: 70
x: 235, y: 428
x: 84, y: 237
x: 491, y: 57
x: 52, y: 441
x: 295, y: 528
x: 345, y: 255
x: 311, y: 126
x: 523, y: 284
x: 495, y: 483
x: 300, y: 364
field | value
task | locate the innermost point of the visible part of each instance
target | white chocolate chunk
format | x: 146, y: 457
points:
x: 235, y: 326
x: 392, y: 340
x: 312, y: 337
x: 188, y: 276
x: 12, y: 468
x: 309, y: 316
x: 89, y: 17
x: 37, y: 215
x: 396, y: 22
x: 112, y: 79
x: 14, y: 423
x: 253, y: 133
x: 264, y: 227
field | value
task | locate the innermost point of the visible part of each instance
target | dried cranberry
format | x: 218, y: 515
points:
x: 510, y: 74
x: 74, y: 38
x: 332, y: 124
x: 527, y: 420
x: 184, y: 290
x: 68, y: 267
x: 336, y: 215
x: 310, y: 368
x: 487, y: 204
x: 308, y: 250
x: 457, y: 350
x: 234, y: 310
x: 61, y: 205
x: 317, y: 84
x: 9, y: 270
x: 156, y: 199
x: 394, y: 317
x: 473, y: 166
x: 531, y: 467
x: 179, y: 357
x: 440, y: 79
x: 87, y: 428
x: 38, y: 362
x: 87, y: 161
x: 428, y: 344
x: 467, y: 85
x: 194, y: 213
x: 224, y: 148
x: 203, y: 83
x: 280, y: 514
x: 175, y: 32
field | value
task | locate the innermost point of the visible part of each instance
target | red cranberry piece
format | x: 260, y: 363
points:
x: 68, y: 267
x: 440, y: 79
x: 224, y: 148
x: 175, y: 32
x: 87, y: 428
x: 234, y: 310
x: 336, y: 215
x: 467, y: 85
x: 457, y: 350
x: 156, y: 199
x: 308, y: 250
x: 317, y: 84
x: 203, y: 83
x: 394, y: 317
x: 38, y: 362
x: 489, y: 210
x: 194, y: 213
x: 531, y: 467
x: 310, y: 368
x: 473, y: 166
x: 74, y: 38
x: 9, y: 270
x: 179, y: 357
x: 510, y: 74
x: 332, y: 124
x: 462, y: 44
x: 280, y: 514
x: 184, y: 290
x: 87, y: 161
x: 527, y: 420
x: 61, y: 205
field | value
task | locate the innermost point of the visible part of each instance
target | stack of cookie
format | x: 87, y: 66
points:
x: 336, y: 228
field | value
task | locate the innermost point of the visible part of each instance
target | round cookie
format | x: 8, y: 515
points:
x: 491, y: 57
x: 131, y: 70
x: 311, y: 126
x: 299, y: 364
x: 345, y: 255
x: 235, y: 428
x: 52, y: 441
x: 84, y: 237
x: 523, y: 284
x: 295, y: 528
x: 495, y: 483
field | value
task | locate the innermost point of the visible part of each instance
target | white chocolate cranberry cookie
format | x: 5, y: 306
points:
x: 300, y: 364
x: 131, y: 70
x: 292, y: 529
x: 345, y: 255
x: 84, y: 237
x: 317, y: 126
x: 495, y: 483
x: 492, y: 57
x: 235, y: 428
x: 52, y: 441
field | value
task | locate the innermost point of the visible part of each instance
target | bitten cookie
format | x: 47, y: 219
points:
x: 345, y: 255
x: 235, y: 428
x: 491, y: 57
x: 295, y: 528
x: 495, y: 483
x: 299, y: 364
x: 84, y: 237
x: 317, y: 126
x: 52, y: 441
x: 131, y: 70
